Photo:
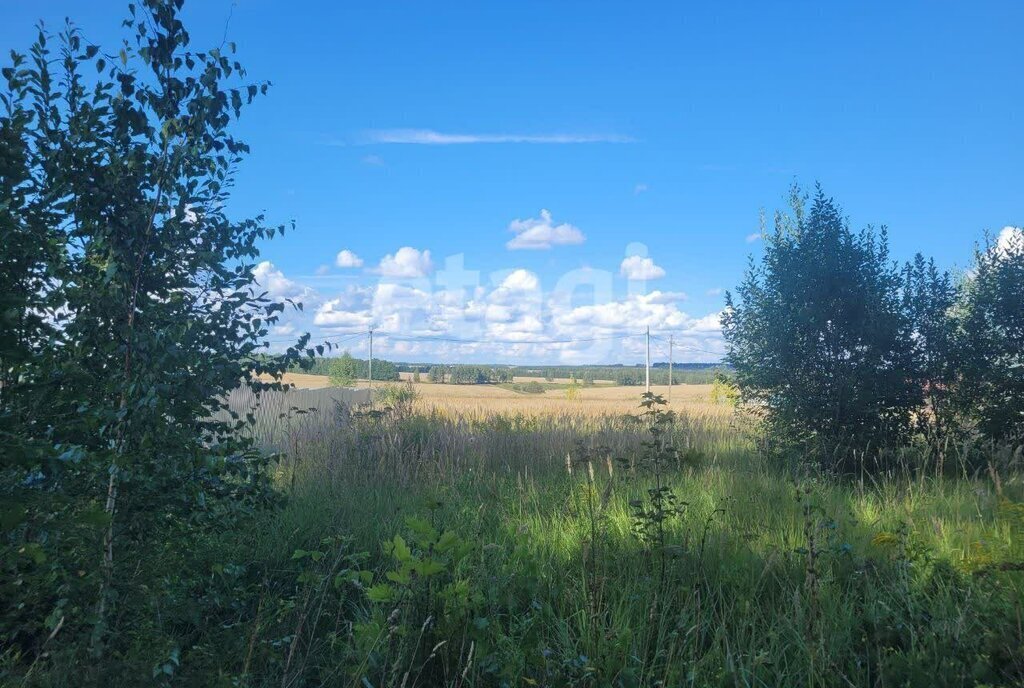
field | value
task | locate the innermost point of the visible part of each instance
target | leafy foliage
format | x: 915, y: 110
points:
x: 351, y: 367
x: 929, y: 297
x: 818, y: 338
x: 343, y: 371
x: 991, y: 319
x: 130, y: 310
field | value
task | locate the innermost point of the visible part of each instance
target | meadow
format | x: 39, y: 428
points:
x: 865, y: 529
x: 476, y: 536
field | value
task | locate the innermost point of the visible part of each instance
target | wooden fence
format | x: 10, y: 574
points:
x: 281, y: 417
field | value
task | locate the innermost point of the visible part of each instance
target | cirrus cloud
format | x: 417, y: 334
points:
x: 430, y: 137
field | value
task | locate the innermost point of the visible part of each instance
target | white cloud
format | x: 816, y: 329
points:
x: 639, y: 189
x: 323, y: 270
x: 334, y: 315
x: 406, y: 262
x: 542, y: 233
x: 666, y: 296
x: 710, y: 324
x: 347, y: 259
x: 751, y: 238
x: 283, y: 329
x: 390, y: 297
x: 431, y: 137
x: 657, y: 310
x: 640, y: 268
x: 1009, y: 238
x: 278, y: 286
x: 521, y: 280
x: 511, y: 320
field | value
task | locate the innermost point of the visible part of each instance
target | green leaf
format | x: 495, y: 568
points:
x: 382, y: 592
x: 400, y: 550
x: 428, y: 567
x: 447, y: 541
x: 34, y: 551
x: 421, y: 528
x: 401, y: 576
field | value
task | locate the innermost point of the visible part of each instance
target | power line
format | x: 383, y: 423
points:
x: 334, y: 342
x: 692, y: 347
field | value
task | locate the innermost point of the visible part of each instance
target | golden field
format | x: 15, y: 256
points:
x: 488, y: 399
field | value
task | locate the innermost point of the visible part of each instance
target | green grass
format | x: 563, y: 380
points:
x: 509, y: 569
x: 770, y: 581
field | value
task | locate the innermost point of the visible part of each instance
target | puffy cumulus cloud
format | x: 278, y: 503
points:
x: 389, y: 307
x: 512, y: 320
x: 635, y: 311
x: 520, y: 280
x: 277, y: 286
x: 348, y: 259
x: 333, y: 314
x: 389, y: 297
x: 640, y: 268
x: 352, y: 309
x: 542, y: 233
x: 406, y: 262
x: 525, y: 328
x: 1009, y: 239
x: 709, y: 324
x: 657, y: 310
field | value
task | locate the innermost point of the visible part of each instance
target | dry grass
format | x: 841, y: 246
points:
x: 481, y: 400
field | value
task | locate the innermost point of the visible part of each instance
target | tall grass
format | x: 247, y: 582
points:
x: 774, y: 577
x: 438, y: 545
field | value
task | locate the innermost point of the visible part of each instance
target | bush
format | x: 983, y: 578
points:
x: 343, y: 371
x: 396, y: 397
x: 818, y: 339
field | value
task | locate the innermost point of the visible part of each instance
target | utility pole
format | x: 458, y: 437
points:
x: 670, y: 369
x: 647, y: 366
x: 370, y: 366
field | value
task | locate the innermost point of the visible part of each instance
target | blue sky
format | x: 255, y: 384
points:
x: 656, y: 129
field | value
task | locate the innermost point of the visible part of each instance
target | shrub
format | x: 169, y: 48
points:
x: 818, y: 339
x: 343, y: 371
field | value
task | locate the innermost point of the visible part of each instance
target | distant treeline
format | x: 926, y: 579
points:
x: 356, y: 368
x: 348, y: 367
x: 686, y: 373
x: 468, y: 374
